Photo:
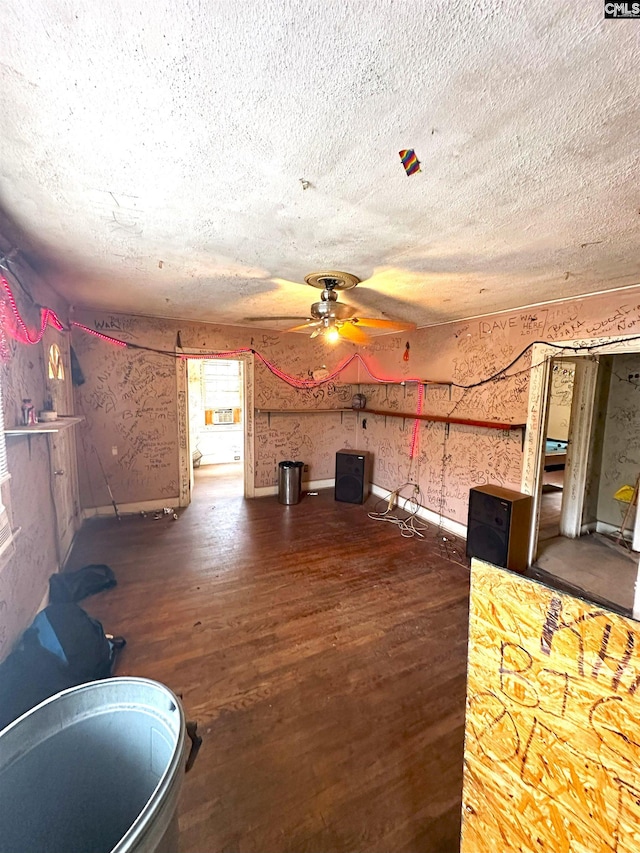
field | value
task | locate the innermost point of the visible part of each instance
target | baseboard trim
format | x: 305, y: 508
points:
x: 311, y: 486
x: 428, y: 515
x: 611, y: 529
x: 316, y: 485
x: 132, y: 508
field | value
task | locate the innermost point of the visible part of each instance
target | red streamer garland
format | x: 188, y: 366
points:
x: 106, y: 338
x: 49, y: 316
x: 24, y: 335
x: 416, y: 423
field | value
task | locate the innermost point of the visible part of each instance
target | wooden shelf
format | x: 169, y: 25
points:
x: 44, y: 428
x: 301, y: 411
x: 412, y: 416
x: 269, y: 412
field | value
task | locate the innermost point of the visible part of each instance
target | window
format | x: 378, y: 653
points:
x: 56, y: 365
x: 221, y: 391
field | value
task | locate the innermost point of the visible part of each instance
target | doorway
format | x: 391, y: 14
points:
x: 215, y: 423
x: 588, y: 547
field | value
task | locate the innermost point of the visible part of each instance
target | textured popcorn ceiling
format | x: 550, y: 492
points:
x: 173, y: 157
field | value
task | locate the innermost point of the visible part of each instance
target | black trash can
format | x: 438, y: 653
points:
x: 289, y: 481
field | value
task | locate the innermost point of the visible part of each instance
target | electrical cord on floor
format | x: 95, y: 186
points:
x: 449, y: 545
x: 451, y: 548
x: 410, y: 525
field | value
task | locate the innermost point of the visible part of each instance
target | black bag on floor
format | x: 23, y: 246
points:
x: 74, y: 586
x: 63, y: 647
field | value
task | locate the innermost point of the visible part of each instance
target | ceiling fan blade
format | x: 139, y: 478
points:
x: 378, y: 294
x: 350, y: 332
x: 309, y: 325
x: 375, y: 323
x: 273, y: 318
x: 284, y: 282
x: 317, y: 332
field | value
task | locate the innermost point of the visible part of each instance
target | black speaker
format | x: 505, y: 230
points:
x: 353, y: 474
x: 498, y: 527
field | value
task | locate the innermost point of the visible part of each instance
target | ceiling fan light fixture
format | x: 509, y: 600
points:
x: 332, y: 335
x: 335, y: 320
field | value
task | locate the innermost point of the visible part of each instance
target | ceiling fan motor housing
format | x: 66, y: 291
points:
x: 331, y: 308
x: 330, y: 283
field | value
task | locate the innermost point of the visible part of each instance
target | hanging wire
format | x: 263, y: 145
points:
x: 6, y: 263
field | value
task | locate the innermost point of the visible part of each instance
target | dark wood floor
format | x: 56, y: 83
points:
x: 549, y: 523
x: 323, y: 656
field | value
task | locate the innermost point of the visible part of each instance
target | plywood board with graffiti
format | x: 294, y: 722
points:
x: 552, y: 735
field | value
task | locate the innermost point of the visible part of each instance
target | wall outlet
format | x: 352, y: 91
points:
x: 114, y: 450
x: 306, y: 468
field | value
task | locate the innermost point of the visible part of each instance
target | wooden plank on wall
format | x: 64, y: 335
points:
x: 552, y: 735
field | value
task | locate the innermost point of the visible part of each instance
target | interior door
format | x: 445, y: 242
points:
x: 62, y: 444
x: 63, y: 481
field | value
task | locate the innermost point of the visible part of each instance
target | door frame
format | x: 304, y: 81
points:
x: 580, y: 426
x: 185, y: 461
x: 62, y: 450
x: 582, y: 407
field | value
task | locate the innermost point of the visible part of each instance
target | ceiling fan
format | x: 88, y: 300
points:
x: 335, y: 320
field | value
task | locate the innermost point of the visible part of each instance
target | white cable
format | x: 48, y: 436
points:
x: 411, y: 526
